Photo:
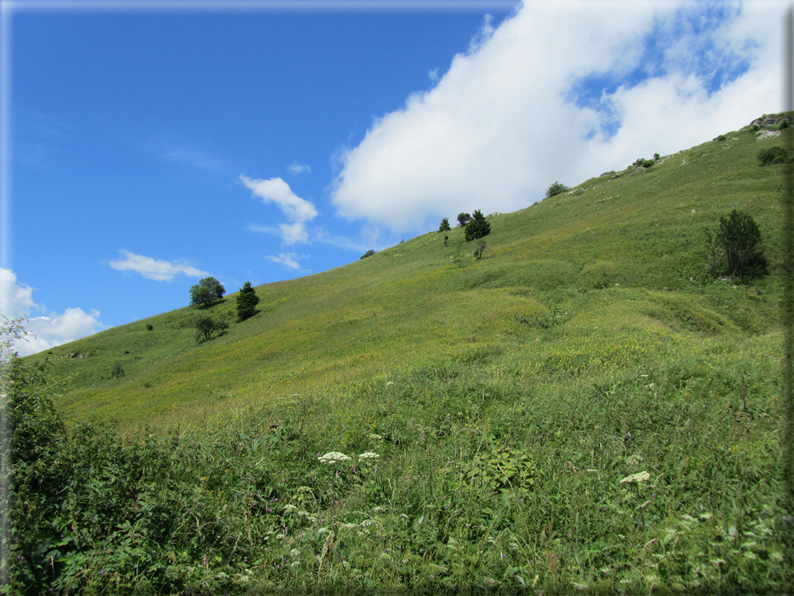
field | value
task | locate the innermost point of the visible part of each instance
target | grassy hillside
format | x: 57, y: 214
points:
x: 581, y: 409
x: 616, y: 253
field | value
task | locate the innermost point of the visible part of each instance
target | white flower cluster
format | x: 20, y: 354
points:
x: 369, y: 455
x: 638, y: 477
x: 332, y: 457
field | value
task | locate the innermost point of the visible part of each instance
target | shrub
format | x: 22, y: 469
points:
x: 118, y: 370
x: 369, y: 253
x: 478, y: 227
x: 556, y: 189
x: 444, y: 227
x: 206, y: 292
x: 772, y: 156
x: 481, y: 246
x: 149, y: 327
x: 735, y: 248
x: 656, y: 157
x: 463, y: 219
x: 643, y: 163
x: 206, y: 326
x: 246, y: 302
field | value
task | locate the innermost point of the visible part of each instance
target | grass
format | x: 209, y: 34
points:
x: 506, y: 398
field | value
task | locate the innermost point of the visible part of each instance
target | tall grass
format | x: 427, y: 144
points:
x: 493, y: 472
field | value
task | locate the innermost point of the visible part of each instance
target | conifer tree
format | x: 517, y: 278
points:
x: 444, y: 227
x: 477, y: 227
x: 246, y: 302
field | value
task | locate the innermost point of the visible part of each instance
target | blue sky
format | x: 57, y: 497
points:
x: 151, y: 147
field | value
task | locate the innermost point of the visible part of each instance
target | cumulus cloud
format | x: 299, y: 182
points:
x: 296, y: 209
x: 50, y: 329
x: 552, y: 94
x: 287, y: 259
x: 297, y: 168
x: 156, y: 269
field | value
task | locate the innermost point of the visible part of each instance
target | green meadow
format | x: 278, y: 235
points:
x: 583, y: 409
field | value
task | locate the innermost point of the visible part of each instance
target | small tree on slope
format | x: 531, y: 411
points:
x: 735, y: 248
x: 246, y: 302
x: 206, y: 292
x: 478, y: 227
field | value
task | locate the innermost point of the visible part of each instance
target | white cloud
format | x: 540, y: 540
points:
x: 501, y: 125
x: 16, y: 299
x: 287, y: 259
x: 158, y: 270
x: 296, y: 209
x: 297, y: 168
x: 293, y: 233
x: 51, y: 329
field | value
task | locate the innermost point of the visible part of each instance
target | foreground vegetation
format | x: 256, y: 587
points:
x: 581, y: 407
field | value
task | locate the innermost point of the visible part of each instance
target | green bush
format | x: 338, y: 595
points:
x: 118, y: 370
x: 772, y: 156
x: 735, y: 248
x: 481, y: 246
x: 556, y: 189
x: 643, y: 163
x: 444, y: 227
x: 463, y: 219
x: 369, y: 253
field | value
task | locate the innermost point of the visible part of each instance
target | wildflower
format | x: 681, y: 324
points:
x: 638, y: 477
x: 369, y: 455
x: 634, y: 459
x: 332, y: 457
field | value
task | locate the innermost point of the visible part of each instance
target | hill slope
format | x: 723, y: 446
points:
x: 616, y: 251
x: 580, y: 409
